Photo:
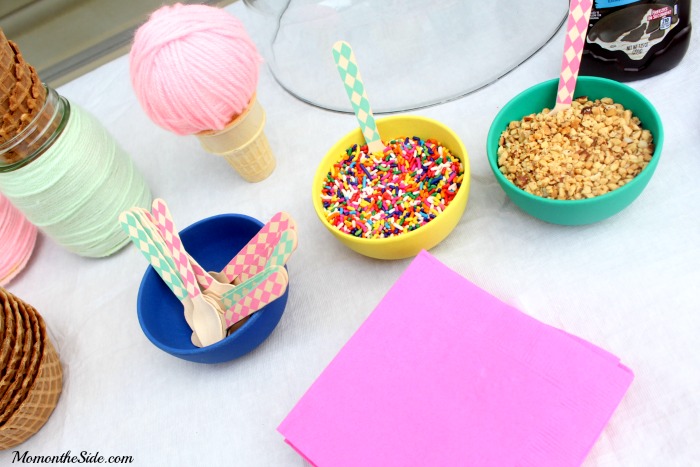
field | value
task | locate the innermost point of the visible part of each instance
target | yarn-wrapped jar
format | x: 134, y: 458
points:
x: 17, y: 240
x: 71, y: 179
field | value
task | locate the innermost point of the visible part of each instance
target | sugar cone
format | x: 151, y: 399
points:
x: 243, y: 144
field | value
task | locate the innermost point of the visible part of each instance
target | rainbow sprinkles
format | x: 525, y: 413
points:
x: 380, y: 195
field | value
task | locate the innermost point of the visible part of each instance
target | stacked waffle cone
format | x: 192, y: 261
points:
x: 22, y: 94
x: 30, y: 371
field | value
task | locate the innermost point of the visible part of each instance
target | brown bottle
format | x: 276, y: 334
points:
x: 629, y: 40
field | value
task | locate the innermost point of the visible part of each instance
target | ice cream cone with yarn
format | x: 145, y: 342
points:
x: 195, y: 71
x: 243, y: 144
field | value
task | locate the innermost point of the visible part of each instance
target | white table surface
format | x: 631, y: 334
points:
x: 628, y: 284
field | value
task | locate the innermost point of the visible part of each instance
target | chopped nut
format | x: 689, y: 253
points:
x: 588, y: 150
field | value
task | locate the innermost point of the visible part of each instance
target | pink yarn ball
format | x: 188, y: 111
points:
x: 193, y: 68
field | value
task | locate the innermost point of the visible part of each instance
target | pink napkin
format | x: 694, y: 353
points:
x: 444, y: 374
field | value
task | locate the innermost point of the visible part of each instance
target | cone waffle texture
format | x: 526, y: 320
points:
x: 23, y: 94
x: 31, y: 396
x: 13, y: 390
x: 8, y: 335
x: 7, y: 68
x: 15, y: 353
x: 29, y: 366
x: 243, y: 144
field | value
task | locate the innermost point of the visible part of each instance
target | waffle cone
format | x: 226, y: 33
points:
x: 2, y: 324
x: 23, y: 94
x: 8, y: 331
x: 25, y: 100
x: 29, y: 365
x: 41, y: 129
x: 40, y: 402
x: 36, y: 396
x: 243, y: 144
x: 7, y: 71
x: 10, y: 370
x: 23, y: 80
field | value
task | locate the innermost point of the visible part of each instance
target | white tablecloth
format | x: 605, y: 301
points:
x: 628, y: 284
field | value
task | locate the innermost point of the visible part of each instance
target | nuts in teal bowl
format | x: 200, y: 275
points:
x: 554, y: 202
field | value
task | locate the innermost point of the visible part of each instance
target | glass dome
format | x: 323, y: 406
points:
x: 411, y: 53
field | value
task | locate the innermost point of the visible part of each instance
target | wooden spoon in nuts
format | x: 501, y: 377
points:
x: 576, y: 30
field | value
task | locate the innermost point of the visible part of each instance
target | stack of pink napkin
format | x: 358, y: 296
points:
x: 444, y: 374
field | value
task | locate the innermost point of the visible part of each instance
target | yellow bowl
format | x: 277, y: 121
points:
x: 423, y: 238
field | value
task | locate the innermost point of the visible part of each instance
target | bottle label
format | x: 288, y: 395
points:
x: 633, y: 30
x: 613, y: 3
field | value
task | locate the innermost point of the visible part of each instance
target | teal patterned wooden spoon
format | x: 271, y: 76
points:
x: 354, y: 86
x: 141, y: 238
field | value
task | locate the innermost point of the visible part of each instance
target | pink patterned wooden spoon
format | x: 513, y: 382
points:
x: 207, y: 316
x: 254, y: 294
x: 576, y: 30
x: 253, y: 257
x: 260, y: 289
x: 162, y: 218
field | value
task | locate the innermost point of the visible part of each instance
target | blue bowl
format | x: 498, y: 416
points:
x: 212, y: 242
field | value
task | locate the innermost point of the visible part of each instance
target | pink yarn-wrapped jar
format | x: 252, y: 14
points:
x: 17, y: 240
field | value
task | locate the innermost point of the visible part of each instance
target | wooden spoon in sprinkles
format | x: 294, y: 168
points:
x: 354, y: 86
x: 576, y: 30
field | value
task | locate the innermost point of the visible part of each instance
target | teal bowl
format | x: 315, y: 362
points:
x: 584, y: 211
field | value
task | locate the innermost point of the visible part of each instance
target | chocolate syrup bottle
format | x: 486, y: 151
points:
x: 634, y: 39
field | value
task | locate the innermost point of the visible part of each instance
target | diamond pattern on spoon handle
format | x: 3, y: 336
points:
x: 355, y: 88
x: 255, y: 252
x: 166, y: 228
x: 149, y: 225
x: 142, y: 241
x: 277, y: 256
x: 574, y: 41
x: 203, y: 277
x: 165, y: 222
x: 268, y: 291
x: 284, y: 249
x: 230, y: 298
